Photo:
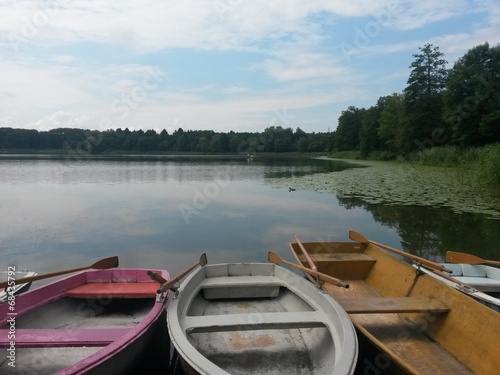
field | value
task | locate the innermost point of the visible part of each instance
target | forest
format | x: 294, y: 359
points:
x: 272, y: 139
x: 455, y: 107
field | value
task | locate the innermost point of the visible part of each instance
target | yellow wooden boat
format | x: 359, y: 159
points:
x: 419, y: 324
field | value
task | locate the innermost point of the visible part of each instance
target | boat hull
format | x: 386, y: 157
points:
x: 417, y: 322
x: 258, y: 318
x: 96, y: 322
x: 18, y: 288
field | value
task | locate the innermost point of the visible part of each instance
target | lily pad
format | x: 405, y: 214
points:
x: 391, y: 183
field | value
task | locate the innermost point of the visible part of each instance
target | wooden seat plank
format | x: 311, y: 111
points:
x: 376, y: 305
x: 241, y: 322
x: 346, y: 266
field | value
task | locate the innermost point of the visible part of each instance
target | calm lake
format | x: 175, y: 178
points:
x: 60, y: 213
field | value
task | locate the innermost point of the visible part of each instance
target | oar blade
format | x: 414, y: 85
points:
x: 203, y: 260
x: 106, y: 263
x: 273, y: 257
x: 358, y: 237
x: 457, y: 257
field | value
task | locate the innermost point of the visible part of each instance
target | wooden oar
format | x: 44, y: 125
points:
x: 99, y: 265
x: 456, y: 257
x: 276, y: 259
x: 306, y: 254
x: 358, y: 237
x: 169, y: 284
x: 450, y: 278
x: 159, y: 279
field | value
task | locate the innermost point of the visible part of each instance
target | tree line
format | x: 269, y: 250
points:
x: 272, y: 139
x: 458, y: 106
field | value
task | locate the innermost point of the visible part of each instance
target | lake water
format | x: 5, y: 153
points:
x: 60, y: 213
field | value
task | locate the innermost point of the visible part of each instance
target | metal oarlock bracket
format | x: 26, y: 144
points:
x: 418, y: 273
x: 175, y: 290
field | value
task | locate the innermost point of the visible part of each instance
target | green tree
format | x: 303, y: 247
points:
x: 368, y: 134
x: 472, y: 98
x: 219, y: 143
x: 423, y: 98
x: 348, y: 129
x: 203, y: 145
x: 302, y: 144
x: 391, y: 124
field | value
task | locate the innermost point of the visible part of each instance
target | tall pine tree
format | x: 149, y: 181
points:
x: 424, y: 101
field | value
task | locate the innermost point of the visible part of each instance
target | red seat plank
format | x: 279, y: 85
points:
x: 114, y: 290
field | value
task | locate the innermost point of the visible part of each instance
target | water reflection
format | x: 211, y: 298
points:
x: 111, y: 170
x: 164, y: 212
x: 430, y: 232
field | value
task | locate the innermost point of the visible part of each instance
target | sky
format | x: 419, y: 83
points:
x: 240, y: 65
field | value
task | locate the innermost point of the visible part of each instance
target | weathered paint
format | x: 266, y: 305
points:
x: 464, y: 340
x: 68, y: 335
x: 258, y: 318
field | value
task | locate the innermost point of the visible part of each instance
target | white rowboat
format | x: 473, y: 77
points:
x: 258, y: 318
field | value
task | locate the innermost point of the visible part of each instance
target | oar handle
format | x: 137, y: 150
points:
x: 101, y: 265
x: 306, y: 254
x: 447, y: 277
x: 170, y: 283
x: 39, y: 277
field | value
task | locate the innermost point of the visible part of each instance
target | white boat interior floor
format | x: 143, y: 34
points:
x: 270, y: 351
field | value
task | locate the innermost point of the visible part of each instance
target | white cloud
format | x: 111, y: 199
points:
x: 292, y: 56
x: 407, y: 15
x: 219, y: 24
x: 28, y: 87
x: 65, y: 59
x: 299, y: 65
x: 63, y: 119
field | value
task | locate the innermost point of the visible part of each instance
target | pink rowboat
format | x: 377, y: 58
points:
x: 94, y: 322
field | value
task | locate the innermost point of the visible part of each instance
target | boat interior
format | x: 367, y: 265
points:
x: 483, y: 278
x: 82, y: 320
x: 416, y: 321
x: 255, y: 324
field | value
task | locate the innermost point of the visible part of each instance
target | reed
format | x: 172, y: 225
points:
x: 487, y: 166
x: 444, y: 156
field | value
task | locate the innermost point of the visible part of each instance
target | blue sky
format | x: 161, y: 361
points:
x: 239, y: 65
